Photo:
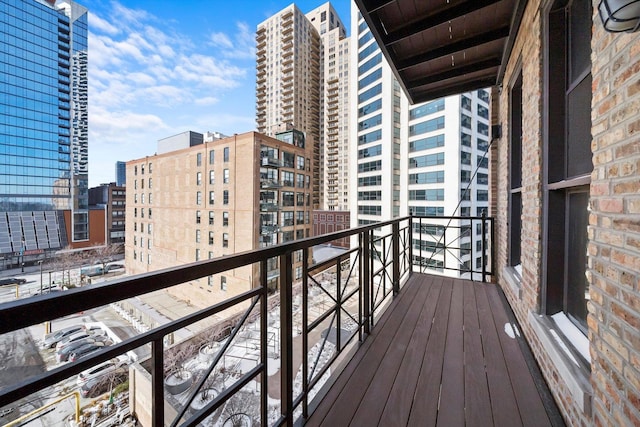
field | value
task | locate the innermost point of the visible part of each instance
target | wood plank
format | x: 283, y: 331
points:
x: 373, y: 404
x: 532, y: 410
x: 398, y: 407
x: 503, y: 404
x: 374, y: 377
x: 386, y: 328
x: 476, y: 390
x: 425, y: 409
x: 451, y: 407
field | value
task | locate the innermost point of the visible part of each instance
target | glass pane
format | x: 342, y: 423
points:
x: 577, y: 290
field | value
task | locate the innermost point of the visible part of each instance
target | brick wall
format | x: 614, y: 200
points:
x: 614, y: 232
x: 525, y: 296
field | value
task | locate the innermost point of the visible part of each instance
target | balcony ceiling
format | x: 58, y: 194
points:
x: 444, y: 47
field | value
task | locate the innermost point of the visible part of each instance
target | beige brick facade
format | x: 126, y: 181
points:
x: 190, y: 205
x: 607, y: 390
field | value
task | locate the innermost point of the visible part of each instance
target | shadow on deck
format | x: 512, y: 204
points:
x: 447, y: 352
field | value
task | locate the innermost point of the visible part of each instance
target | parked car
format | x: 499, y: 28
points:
x: 103, y: 369
x: 63, y: 354
x: 102, y: 384
x: 93, y: 330
x: 12, y: 281
x: 50, y: 340
x: 71, y: 338
x: 85, y: 350
x: 111, y: 267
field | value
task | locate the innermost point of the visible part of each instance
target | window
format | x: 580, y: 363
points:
x: 197, y: 254
x: 465, y: 139
x: 286, y: 178
x: 150, y: 179
x: 197, y: 236
x: 225, y: 240
x: 369, y: 181
x: 370, y: 166
x: 429, y: 195
x: 300, y: 162
x: 568, y: 160
x: 199, y: 159
x: 515, y: 174
x: 375, y: 60
x: 482, y: 195
x: 288, y: 160
x: 426, y: 109
x: 225, y: 219
x: 287, y: 218
x: 426, y: 143
x: 370, y: 93
x: 225, y: 197
x: 199, y: 178
x: 299, y: 199
x: 210, y: 217
x: 370, y: 137
x: 426, y: 177
x: 198, y: 217
x: 465, y: 102
x: 198, y: 198
x: 428, y: 126
x: 370, y: 122
x: 225, y: 154
x: 370, y: 78
x: 370, y: 210
x: 287, y: 198
x: 211, y: 157
x: 212, y: 177
x: 370, y: 152
x: 225, y: 176
x: 428, y: 160
x: 212, y: 197
x: 211, y: 237
x: 465, y: 121
x: 465, y: 158
x: 299, y: 180
x: 223, y: 283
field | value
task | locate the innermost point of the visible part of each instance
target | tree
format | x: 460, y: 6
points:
x: 64, y: 261
x: 105, y: 254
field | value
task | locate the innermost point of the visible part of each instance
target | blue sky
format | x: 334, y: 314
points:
x: 157, y: 68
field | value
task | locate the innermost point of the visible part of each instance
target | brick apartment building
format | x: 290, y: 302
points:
x: 209, y: 199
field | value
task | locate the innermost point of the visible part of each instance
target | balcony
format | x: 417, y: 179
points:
x: 398, y: 346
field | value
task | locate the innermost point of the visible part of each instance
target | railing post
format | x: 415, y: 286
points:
x: 264, y: 336
x: 286, y: 341
x: 410, y: 242
x: 395, y: 233
x: 484, y: 245
x: 305, y: 332
x: 365, y: 279
x: 157, y: 382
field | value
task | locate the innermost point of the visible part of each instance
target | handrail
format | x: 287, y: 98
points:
x: 376, y: 269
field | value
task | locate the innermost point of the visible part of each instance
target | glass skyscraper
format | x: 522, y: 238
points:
x: 43, y: 124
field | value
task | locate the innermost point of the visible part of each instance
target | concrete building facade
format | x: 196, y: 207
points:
x: 112, y: 198
x: 428, y: 159
x: 302, y: 83
x: 217, y: 198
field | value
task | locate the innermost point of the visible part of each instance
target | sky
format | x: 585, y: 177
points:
x: 158, y: 68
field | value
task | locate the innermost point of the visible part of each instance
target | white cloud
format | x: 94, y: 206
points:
x: 243, y: 46
x: 148, y: 81
x: 95, y: 22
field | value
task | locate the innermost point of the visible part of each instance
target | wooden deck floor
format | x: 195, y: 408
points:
x: 442, y: 354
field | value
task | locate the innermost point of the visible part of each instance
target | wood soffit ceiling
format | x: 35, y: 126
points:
x: 438, y: 47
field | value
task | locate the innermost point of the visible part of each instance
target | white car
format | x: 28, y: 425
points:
x: 71, y: 338
x: 104, y: 368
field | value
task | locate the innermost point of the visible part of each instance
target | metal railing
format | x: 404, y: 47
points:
x: 317, y: 317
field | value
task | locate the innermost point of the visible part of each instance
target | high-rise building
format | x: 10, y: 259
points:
x: 302, y: 83
x: 43, y: 125
x: 112, y: 199
x: 121, y: 174
x: 426, y: 159
x: 225, y: 196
